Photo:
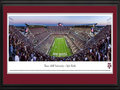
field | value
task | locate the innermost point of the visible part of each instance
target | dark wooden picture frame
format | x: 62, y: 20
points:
x: 12, y: 81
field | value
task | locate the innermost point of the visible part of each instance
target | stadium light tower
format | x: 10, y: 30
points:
x: 109, y: 21
x: 26, y: 25
x: 11, y: 19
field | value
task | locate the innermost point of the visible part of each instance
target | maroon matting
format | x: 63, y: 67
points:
x: 60, y: 78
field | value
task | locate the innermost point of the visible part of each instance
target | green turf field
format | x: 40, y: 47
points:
x: 60, y: 48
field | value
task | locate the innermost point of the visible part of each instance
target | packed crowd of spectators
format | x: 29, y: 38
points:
x: 99, y: 47
x: 59, y: 29
x: 100, y: 50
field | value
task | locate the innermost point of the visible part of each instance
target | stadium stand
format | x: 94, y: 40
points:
x: 36, y: 44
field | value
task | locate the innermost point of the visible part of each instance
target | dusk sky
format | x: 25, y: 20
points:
x: 53, y: 20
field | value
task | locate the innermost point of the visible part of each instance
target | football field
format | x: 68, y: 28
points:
x: 60, y: 48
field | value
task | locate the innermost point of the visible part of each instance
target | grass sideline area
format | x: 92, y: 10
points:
x: 60, y: 48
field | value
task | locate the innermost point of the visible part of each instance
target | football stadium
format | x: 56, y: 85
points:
x: 86, y: 42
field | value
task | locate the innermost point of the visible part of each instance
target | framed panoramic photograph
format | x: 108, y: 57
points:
x: 60, y: 45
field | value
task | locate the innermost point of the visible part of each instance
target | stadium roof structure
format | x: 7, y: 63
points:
x: 91, y: 24
x: 27, y: 25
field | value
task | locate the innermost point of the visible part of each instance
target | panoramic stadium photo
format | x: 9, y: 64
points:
x: 60, y: 37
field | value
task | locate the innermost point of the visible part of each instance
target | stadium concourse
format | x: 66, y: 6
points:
x: 79, y: 44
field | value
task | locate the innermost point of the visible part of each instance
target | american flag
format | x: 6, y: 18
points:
x: 91, y: 29
x: 27, y: 29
